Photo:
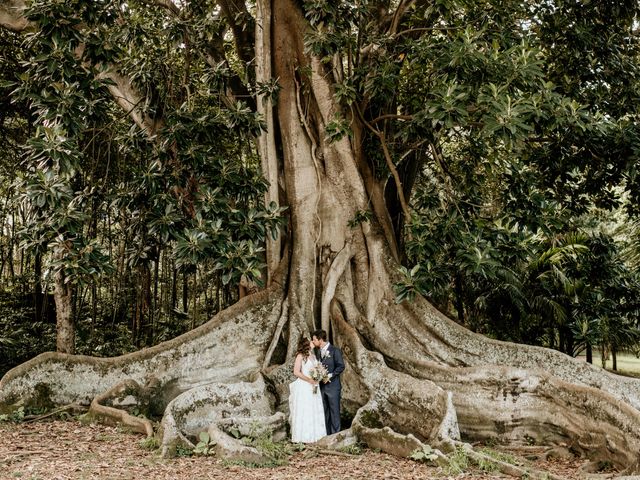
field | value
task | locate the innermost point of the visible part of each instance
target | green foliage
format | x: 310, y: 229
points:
x: 277, y: 452
x: 182, y: 451
x: 514, y: 283
x: 205, y: 445
x: 337, y: 129
x: 605, y: 466
x: 16, y: 416
x: 487, y: 465
x: 361, y: 216
x: 511, y: 123
x: 425, y: 454
x: 20, y: 336
x: 355, y: 449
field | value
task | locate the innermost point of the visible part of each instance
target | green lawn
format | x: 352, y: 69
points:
x: 628, y: 363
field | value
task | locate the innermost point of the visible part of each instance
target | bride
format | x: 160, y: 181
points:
x: 306, y: 413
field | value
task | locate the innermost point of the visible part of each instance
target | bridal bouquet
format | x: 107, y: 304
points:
x: 319, y: 374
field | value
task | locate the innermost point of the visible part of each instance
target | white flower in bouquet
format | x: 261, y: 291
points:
x: 320, y: 374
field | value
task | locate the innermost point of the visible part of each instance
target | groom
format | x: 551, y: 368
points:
x: 331, y: 358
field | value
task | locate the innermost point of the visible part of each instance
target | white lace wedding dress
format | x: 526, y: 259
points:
x: 306, y: 414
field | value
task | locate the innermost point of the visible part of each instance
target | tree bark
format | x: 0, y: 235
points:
x: 267, y: 139
x: 65, y: 330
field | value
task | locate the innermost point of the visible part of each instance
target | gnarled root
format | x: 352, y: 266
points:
x: 124, y: 394
x: 480, y: 459
x: 522, y: 403
x: 398, y: 412
x: 245, y: 407
x: 509, y: 393
x: 229, y: 348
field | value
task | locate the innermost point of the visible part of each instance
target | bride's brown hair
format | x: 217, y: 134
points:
x: 303, y: 347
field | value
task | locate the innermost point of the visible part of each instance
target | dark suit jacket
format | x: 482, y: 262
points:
x: 334, y: 364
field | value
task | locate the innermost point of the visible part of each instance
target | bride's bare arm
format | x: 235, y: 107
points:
x: 297, y: 370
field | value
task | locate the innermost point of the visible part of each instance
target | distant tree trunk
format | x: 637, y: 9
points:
x: 614, y: 358
x: 459, y: 302
x: 604, y: 355
x: 218, y: 294
x: 185, y: 292
x: 66, y: 332
x: 2, y: 254
x: 589, y: 353
x: 143, y: 304
x: 94, y: 303
x: 10, y: 253
x: 174, y: 289
x: 37, y: 288
x: 157, y: 305
x: 194, y: 294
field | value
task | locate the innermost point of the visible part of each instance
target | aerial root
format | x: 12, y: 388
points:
x: 123, y: 393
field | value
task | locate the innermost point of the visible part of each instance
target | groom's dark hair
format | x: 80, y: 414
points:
x: 320, y: 335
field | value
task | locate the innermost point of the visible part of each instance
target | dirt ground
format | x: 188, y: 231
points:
x: 71, y: 450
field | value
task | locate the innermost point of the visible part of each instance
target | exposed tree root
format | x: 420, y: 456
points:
x: 338, y: 441
x: 282, y: 320
x: 125, y: 393
x: 246, y: 407
x: 314, y: 452
x: 229, y: 348
x: 397, y: 411
x: 413, y: 378
x: 336, y: 271
x: 509, y: 393
x: 72, y: 407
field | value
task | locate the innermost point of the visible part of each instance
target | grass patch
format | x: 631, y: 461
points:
x: 149, y: 443
x: 627, y: 363
x: 458, y: 462
x: 241, y: 463
x: 487, y: 465
x: 278, y: 453
x: 500, y: 456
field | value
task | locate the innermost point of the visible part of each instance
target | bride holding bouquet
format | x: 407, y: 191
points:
x: 306, y: 413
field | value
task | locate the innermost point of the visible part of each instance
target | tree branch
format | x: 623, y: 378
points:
x: 396, y: 176
x: 390, y: 165
x: 398, y: 14
x: 130, y: 100
x: 391, y: 116
x: 168, y: 4
x: 427, y: 29
x: 238, y: 17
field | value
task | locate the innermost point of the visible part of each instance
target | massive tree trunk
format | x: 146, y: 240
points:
x: 408, y: 366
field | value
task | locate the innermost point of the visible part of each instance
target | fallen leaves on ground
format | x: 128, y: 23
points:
x: 71, y: 450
